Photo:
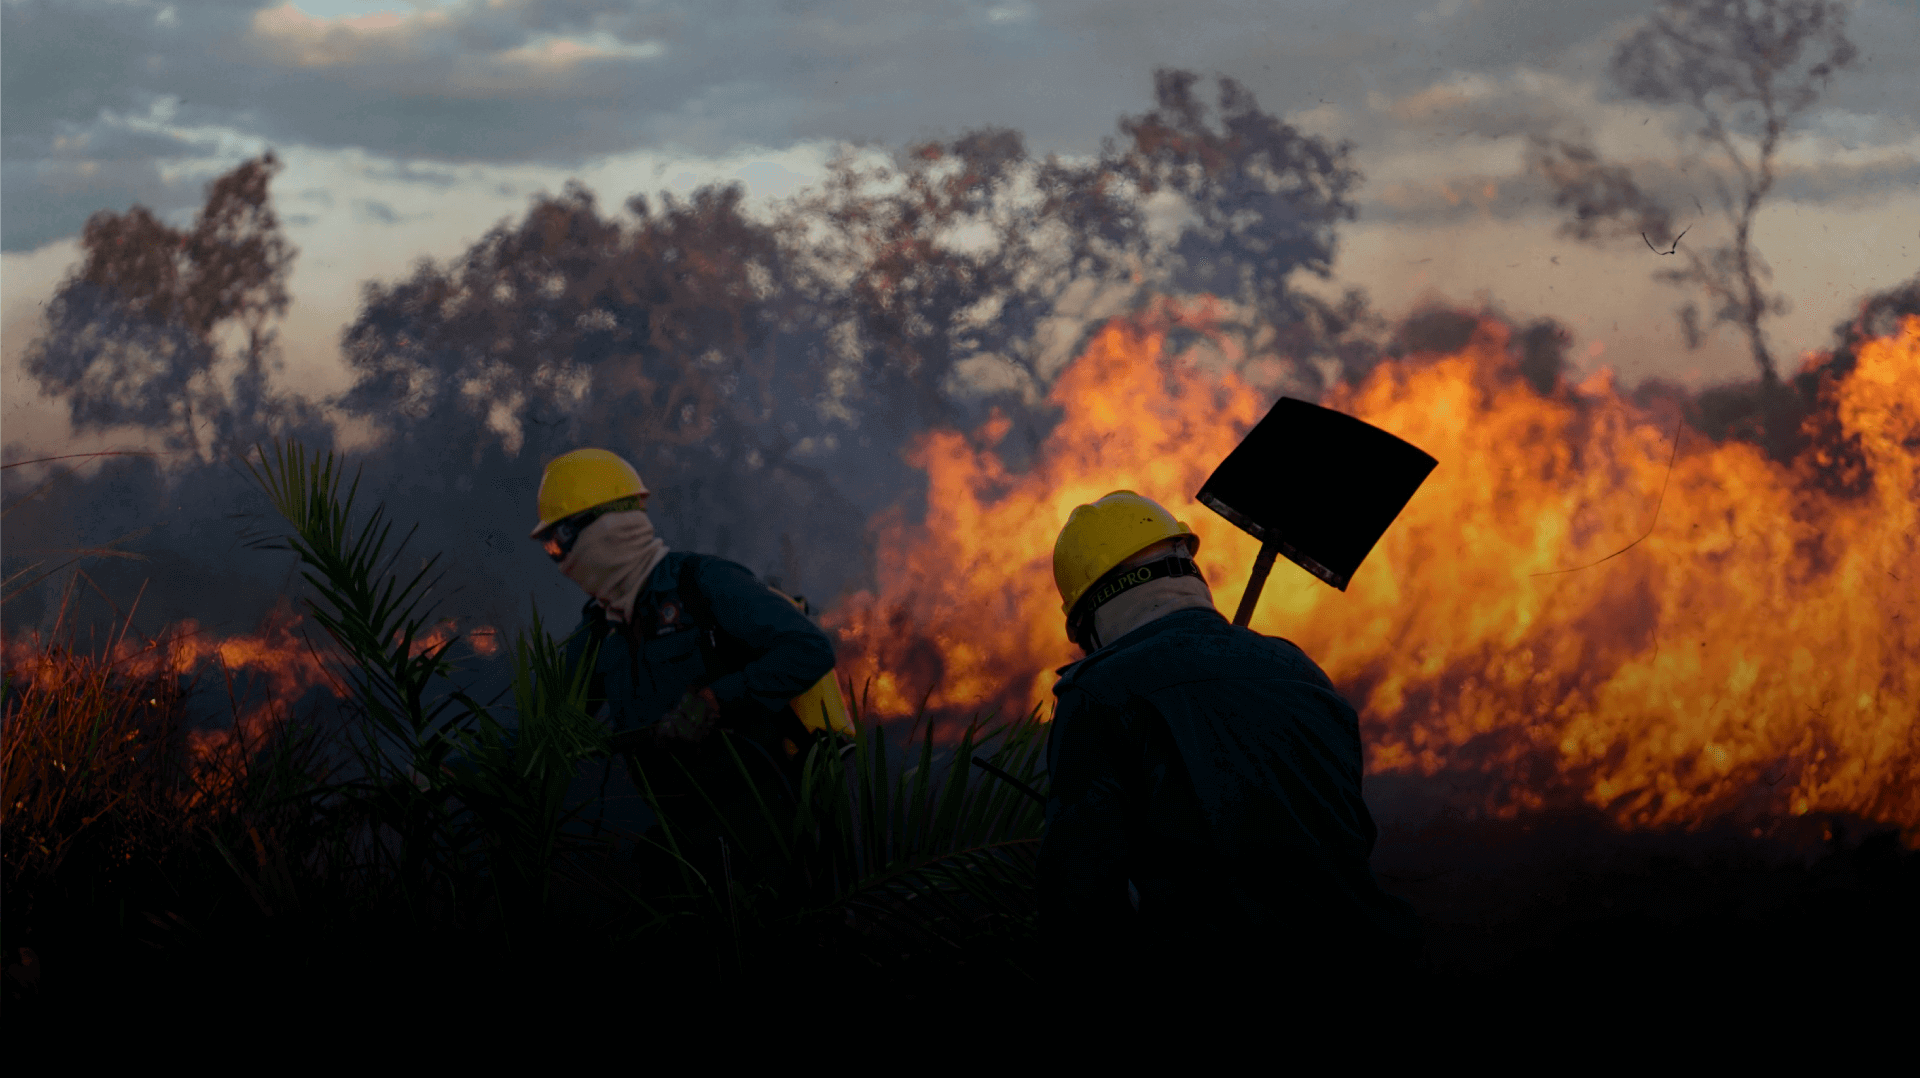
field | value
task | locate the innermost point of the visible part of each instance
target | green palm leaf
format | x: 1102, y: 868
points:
x: 504, y: 801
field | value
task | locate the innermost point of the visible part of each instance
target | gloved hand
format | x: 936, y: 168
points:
x: 691, y: 720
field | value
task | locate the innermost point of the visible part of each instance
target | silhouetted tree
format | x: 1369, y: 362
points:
x: 855, y: 302
x: 926, y: 263
x: 669, y: 319
x: 763, y: 371
x: 961, y: 250
x: 1262, y: 201
x: 677, y: 336
x: 1747, y: 69
x: 1603, y: 200
x: 743, y: 360
x: 134, y: 333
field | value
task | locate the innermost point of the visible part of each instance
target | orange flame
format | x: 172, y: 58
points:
x: 1753, y: 656
x: 277, y: 653
x: 485, y: 641
x: 966, y: 607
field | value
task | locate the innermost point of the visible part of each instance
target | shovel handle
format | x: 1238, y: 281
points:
x: 1262, y: 565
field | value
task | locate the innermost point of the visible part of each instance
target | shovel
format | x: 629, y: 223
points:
x: 1315, y: 485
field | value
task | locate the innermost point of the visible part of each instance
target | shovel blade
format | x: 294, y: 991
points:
x: 1318, y: 485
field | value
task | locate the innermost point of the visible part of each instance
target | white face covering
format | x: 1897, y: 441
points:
x: 1150, y: 601
x: 613, y: 558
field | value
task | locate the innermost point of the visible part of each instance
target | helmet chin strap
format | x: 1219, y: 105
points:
x: 1089, y: 638
x: 1117, y: 583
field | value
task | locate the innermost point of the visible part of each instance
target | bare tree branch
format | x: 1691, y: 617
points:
x: 1748, y: 68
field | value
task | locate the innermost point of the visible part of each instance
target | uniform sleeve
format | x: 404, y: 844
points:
x: 1084, y: 905
x: 792, y: 652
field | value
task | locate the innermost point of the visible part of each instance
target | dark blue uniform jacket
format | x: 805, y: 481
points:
x: 765, y: 654
x: 1217, y: 771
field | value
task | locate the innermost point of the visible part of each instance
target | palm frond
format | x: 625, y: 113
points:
x: 442, y: 774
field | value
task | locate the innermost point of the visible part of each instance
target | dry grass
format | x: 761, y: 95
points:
x: 92, y: 756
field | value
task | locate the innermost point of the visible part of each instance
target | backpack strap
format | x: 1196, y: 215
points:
x: 700, y: 609
x: 596, y: 618
x: 599, y: 627
x: 633, y: 659
x: 722, y: 654
x: 692, y: 599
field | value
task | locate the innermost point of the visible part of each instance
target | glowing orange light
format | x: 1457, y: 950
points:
x: 1758, y: 652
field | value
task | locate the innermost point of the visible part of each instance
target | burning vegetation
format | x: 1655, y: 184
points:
x: 1751, y: 654
x: 1670, y: 612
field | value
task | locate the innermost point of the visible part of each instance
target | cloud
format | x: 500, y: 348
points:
x: 557, y: 81
x: 553, y: 54
x: 562, y: 81
x: 493, y: 54
x: 379, y: 212
x: 49, y: 200
x: 291, y: 36
x: 412, y: 132
x: 1523, y: 101
x: 1455, y: 149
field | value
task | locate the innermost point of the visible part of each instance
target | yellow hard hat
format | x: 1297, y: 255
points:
x: 1098, y: 537
x: 582, y: 479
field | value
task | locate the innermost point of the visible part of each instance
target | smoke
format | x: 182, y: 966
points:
x: 764, y: 373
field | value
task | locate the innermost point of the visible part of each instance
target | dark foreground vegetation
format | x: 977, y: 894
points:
x: 221, y: 914
x: 423, y: 855
x: 418, y: 859
x: 1564, y: 905
x: 415, y: 856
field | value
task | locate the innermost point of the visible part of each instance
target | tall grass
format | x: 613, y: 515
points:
x: 937, y: 852
x: 429, y: 810
x: 90, y: 769
x: 115, y: 821
x: 871, y: 859
x: 463, y: 819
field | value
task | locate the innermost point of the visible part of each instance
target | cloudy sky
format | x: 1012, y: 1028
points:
x: 410, y: 127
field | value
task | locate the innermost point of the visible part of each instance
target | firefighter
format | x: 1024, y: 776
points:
x: 694, y: 653
x: 1205, y: 810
